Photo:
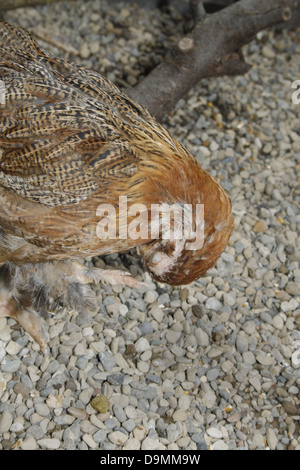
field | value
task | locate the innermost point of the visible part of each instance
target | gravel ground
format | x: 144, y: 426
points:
x: 213, y: 365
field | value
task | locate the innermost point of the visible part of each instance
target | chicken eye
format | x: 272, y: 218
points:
x: 156, y: 258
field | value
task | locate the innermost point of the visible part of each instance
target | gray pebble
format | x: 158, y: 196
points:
x: 241, y: 343
x: 129, y: 425
x: 213, y: 304
x: 10, y: 365
x: 146, y: 328
x: 116, y: 379
x: 107, y: 360
x: 141, y: 345
x: 42, y: 409
x: 219, y: 445
x: 212, y: 374
x: 119, y: 413
x: 99, y: 436
x: 209, y: 399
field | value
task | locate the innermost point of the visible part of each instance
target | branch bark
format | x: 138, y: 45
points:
x: 211, y: 49
x: 13, y: 4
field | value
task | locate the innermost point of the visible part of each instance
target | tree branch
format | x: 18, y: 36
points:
x: 211, y: 49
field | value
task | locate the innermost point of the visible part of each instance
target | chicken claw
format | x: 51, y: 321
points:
x: 30, y: 322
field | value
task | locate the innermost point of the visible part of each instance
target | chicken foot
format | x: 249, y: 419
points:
x: 29, y: 321
x: 59, y: 282
x: 87, y: 275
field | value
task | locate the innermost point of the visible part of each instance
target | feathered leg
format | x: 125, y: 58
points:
x: 44, y: 286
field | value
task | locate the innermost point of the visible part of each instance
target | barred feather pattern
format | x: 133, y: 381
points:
x: 71, y: 140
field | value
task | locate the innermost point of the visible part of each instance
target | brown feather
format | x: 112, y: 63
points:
x: 69, y: 141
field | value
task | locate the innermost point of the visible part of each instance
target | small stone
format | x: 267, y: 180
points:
x: 143, y: 366
x: 13, y: 348
x: 241, y: 343
x: 209, y: 399
x: 184, y: 402
x: 130, y: 351
x: 48, y: 443
x: 88, y: 439
x: 54, y: 401
x: 64, y: 420
x: 249, y: 357
x: 260, y: 227
x: 293, y: 288
x: 2, y: 351
x: 289, y: 305
x: 255, y: 381
x: 21, y: 389
x: 42, y: 409
x: 197, y: 310
x: 100, y: 403
x: 129, y: 425
x: 84, y: 51
x: 197, y: 437
x: 119, y: 413
x: 132, y: 444
x: 214, y: 432
x: 141, y: 345
x: 233, y: 417
x: 150, y: 296
x: 179, y: 415
x: 10, y: 365
x: 157, y: 314
x: 173, y: 336
x: 226, y: 366
x: 215, y: 351
x: 228, y: 299
x: 77, y: 412
x: 295, y: 359
x: 117, y: 437
x: 272, y: 439
x: 219, y: 445
x: 212, y: 374
x: 99, y: 436
x: 150, y: 444
x: 258, y: 440
x: 290, y: 408
x: 17, y: 426
x: 116, y: 379
x: 213, y: 304
x: 139, y: 433
x: 264, y: 359
x: 268, y: 52
x: 146, y: 328
x: 5, y: 421
x: 107, y: 360
x: 131, y: 412
x: 278, y: 322
x: 29, y: 443
x: 202, y: 337
x: 94, y: 47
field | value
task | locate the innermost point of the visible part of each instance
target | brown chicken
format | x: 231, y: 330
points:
x: 71, y: 141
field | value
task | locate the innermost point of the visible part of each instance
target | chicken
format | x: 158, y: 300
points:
x: 73, y: 150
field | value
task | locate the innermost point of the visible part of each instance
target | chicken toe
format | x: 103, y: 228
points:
x: 29, y: 321
x: 107, y: 276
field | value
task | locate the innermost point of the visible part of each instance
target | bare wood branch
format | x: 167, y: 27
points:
x: 13, y: 4
x: 210, y: 49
